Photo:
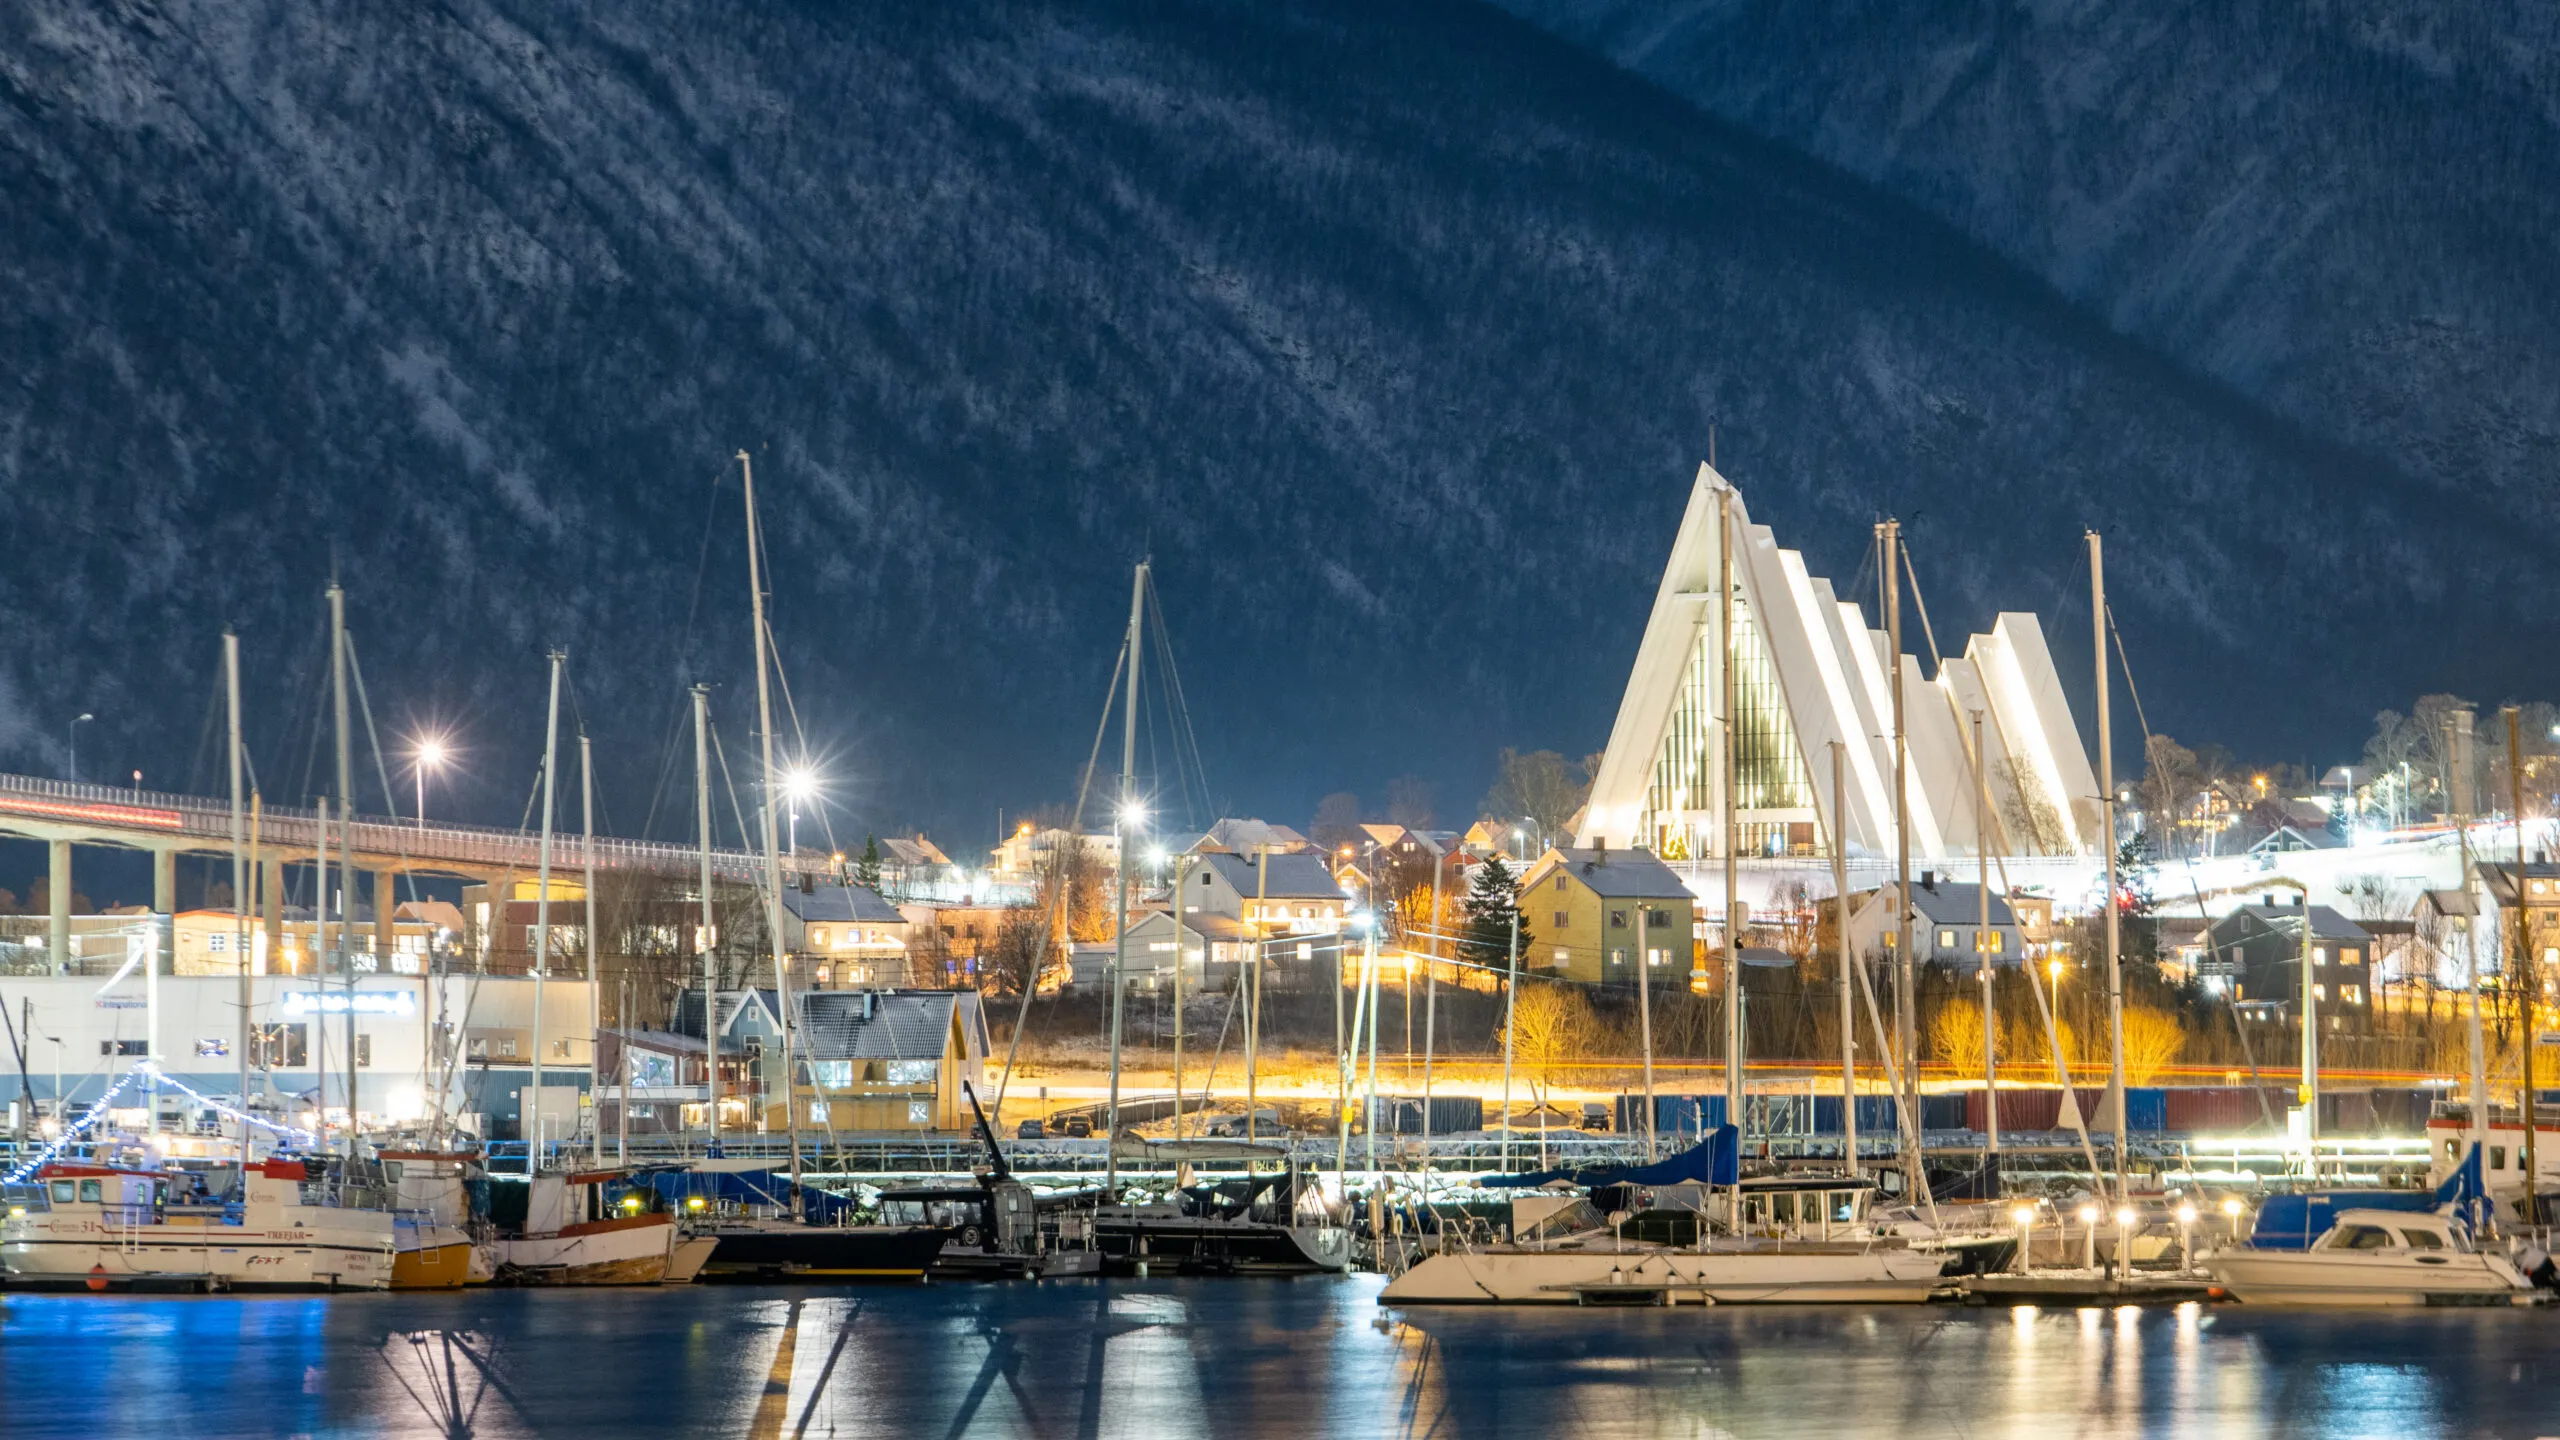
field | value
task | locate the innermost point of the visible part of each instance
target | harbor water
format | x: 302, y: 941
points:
x: 1230, y: 1358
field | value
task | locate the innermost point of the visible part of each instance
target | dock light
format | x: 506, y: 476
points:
x: 2124, y: 1219
x: 2231, y: 1206
x: 693, y: 1204
x: 2186, y: 1214
x: 2088, y: 1214
x: 2024, y: 1215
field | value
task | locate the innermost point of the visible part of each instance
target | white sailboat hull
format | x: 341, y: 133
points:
x: 1737, y: 1277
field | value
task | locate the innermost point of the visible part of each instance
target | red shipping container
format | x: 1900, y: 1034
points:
x: 2224, y: 1109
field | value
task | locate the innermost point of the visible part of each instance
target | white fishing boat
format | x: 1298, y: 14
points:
x: 581, y: 1228
x: 2374, y: 1257
x: 107, y: 1228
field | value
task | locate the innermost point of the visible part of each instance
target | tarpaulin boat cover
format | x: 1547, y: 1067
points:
x: 1716, y: 1160
x: 2292, y: 1222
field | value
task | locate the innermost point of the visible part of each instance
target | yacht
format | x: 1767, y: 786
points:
x: 2373, y: 1257
x: 1679, y: 1250
x: 105, y: 1227
x: 759, y: 1226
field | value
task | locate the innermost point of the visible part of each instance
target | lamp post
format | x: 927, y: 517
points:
x: 74, y: 728
x: 798, y: 785
x: 2025, y: 1216
x: 428, y: 756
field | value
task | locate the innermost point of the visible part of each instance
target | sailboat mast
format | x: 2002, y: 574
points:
x: 2530, y: 1021
x: 529, y: 1112
x: 587, y: 851
x: 1510, y: 1008
x: 710, y: 954
x: 1982, y: 954
x: 1906, y: 1023
x: 346, y: 838
x: 2107, y: 837
x: 1122, y: 828
x: 772, y: 842
x: 1733, y: 1036
x: 1253, y: 1012
x: 239, y: 884
x: 1848, y: 1001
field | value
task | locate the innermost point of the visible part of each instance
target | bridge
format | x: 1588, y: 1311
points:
x: 63, y: 814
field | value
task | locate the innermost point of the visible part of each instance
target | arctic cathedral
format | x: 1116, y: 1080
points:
x: 1809, y: 672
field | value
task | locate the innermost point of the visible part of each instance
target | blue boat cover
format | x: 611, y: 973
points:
x: 2292, y: 1222
x: 1716, y: 1160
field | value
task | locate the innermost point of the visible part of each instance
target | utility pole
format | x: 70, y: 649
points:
x: 530, y: 1112
x: 2530, y: 983
x: 1644, y: 1013
x: 1124, y: 827
x: 1848, y: 1001
x: 1176, y: 914
x: 710, y: 952
x: 2107, y: 834
x: 772, y: 841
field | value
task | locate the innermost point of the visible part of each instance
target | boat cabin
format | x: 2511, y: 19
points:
x: 2415, y: 1235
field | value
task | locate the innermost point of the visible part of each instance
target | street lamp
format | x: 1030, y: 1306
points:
x: 798, y: 784
x: 74, y: 727
x: 429, y: 755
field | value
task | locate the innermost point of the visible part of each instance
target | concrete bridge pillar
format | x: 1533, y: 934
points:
x: 58, y: 904
x: 271, y: 909
x: 164, y: 882
x: 385, y: 932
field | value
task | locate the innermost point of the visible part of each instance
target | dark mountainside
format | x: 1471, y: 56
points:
x: 2348, y: 211
x: 1394, y: 332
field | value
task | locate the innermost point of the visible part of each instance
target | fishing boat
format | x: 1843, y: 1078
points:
x: 997, y: 1228
x: 2374, y: 1257
x: 1276, y: 1222
x: 591, y: 1227
x: 106, y: 1228
x: 429, y: 1195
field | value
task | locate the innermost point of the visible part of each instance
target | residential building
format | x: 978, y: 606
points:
x: 2259, y: 948
x: 888, y: 1060
x: 911, y: 862
x: 1946, y: 923
x: 1246, y: 837
x: 2541, y: 901
x: 849, y: 935
x: 1809, y: 672
x: 2447, y: 948
x: 1591, y: 911
x: 1025, y: 853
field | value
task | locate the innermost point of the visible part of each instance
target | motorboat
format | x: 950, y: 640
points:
x: 587, y: 1227
x: 1276, y: 1222
x: 105, y: 1227
x: 2373, y: 1257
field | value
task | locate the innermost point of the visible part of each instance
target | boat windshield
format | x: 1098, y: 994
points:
x: 25, y: 1199
x: 1574, y: 1219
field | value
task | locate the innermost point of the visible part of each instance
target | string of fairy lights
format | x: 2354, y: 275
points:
x: 99, y: 1108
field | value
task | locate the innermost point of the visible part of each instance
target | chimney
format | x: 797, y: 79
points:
x: 1929, y: 880
x: 2458, y: 761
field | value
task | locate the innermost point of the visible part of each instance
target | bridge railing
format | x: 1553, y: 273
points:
x: 117, y: 807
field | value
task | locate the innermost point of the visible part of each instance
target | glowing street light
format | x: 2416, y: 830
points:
x: 799, y: 784
x: 428, y: 754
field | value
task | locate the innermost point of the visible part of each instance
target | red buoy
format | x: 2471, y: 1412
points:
x: 97, y: 1277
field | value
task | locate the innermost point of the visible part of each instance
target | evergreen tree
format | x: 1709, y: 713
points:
x: 866, y: 871
x: 2137, y: 928
x: 1493, y: 901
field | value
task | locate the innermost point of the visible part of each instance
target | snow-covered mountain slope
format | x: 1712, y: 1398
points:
x: 1394, y: 333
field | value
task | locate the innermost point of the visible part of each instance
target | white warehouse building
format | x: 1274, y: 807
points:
x: 1809, y: 671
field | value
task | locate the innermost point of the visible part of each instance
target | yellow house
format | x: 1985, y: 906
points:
x: 1590, y: 913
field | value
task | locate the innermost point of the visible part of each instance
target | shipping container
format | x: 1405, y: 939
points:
x: 1450, y: 1114
x: 1690, y: 1115
x: 2225, y: 1109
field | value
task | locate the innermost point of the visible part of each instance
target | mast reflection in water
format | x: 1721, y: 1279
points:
x: 1171, y: 1358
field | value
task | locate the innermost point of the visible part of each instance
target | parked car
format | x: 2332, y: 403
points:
x: 1031, y: 1130
x: 1595, y: 1116
x: 1077, y: 1127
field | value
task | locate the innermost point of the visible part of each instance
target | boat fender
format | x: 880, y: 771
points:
x: 97, y: 1277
